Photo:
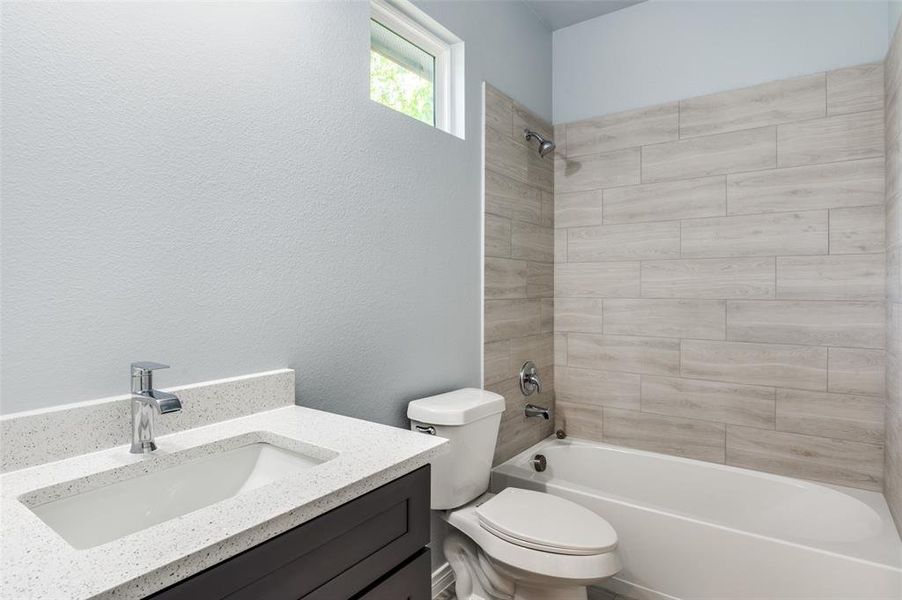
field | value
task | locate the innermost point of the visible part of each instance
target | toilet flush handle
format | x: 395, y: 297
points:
x: 426, y: 429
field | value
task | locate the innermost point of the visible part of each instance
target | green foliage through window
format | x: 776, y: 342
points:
x: 394, y: 84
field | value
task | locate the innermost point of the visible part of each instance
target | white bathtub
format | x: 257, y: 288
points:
x: 690, y: 529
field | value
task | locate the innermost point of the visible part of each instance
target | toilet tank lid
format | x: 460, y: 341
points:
x: 456, y: 408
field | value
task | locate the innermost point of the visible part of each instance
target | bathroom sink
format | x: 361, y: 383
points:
x: 106, y: 513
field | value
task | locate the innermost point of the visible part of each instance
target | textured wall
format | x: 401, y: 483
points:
x: 893, y: 467
x: 519, y: 267
x: 665, y: 50
x: 209, y: 185
x: 719, y: 277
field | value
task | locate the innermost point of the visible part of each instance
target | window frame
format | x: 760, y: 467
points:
x: 415, y: 26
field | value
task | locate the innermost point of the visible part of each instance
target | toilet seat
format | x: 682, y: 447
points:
x: 546, y: 522
x: 571, y: 569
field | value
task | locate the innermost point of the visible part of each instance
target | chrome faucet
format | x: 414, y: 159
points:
x: 146, y: 400
x: 532, y: 410
x: 529, y: 379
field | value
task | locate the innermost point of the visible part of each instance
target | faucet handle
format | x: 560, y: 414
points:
x: 142, y: 375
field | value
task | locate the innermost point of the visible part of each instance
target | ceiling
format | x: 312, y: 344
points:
x: 556, y: 14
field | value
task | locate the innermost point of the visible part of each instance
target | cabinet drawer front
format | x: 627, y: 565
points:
x: 411, y: 582
x: 358, y: 541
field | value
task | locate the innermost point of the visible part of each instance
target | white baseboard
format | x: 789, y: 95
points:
x: 441, y: 579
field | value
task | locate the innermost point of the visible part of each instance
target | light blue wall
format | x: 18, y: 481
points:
x: 208, y: 185
x: 895, y: 13
x: 667, y: 50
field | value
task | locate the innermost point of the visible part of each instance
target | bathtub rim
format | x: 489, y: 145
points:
x: 516, y: 466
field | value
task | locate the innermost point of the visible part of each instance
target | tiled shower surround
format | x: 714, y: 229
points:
x: 719, y: 277
x: 893, y: 468
x: 519, y: 267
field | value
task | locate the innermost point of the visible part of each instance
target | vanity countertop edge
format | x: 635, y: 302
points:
x: 37, y: 563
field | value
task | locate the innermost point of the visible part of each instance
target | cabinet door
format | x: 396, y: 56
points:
x: 410, y: 582
x: 352, y: 545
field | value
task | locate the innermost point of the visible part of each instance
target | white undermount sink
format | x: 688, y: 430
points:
x: 100, y: 515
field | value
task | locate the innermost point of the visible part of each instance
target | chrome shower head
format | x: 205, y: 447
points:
x: 545, y: 145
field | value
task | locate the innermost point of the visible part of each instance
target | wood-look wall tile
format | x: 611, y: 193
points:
x: 578, y: 209
x: 893, y: 167
x: 560, y: 349
x: 547, y: 315
x: 498, y: 111
x: 893, y: 217
x: 856, y: 371
x: 507, y: 319
x: 496, y: 362
x: 582, y: 421
x: 597, y: 171
x: 756, y: 235
x: 765, y: 104
x: 623, y: 130
x: 739, y: 278
x: 892, y: 72
x: 857, y: 230
x: 709, y: 401
x: 517, y: 432
x: 539, y: 279
x: 701, y: 440
x: 506, y: 156
x: 855, y: 89
x: 832, y: 461
x: 560, y: 246
x: 599, y: 388
x: 842, y: 416
x: 692, y: 198
x: 504, y: 278
x: 597, y: 280
x: 510, y: 389
x: 810, y: 187
x: 893, y: 146
x: 628, y: 354
x: 892, y: 489
x: 624, y: 242
x: 837, y: 277
x: 894, y: 355
x: 560, y: 140
x: 537, y: 348
x: 894, y: 273
x: 547, y: 209
x: 497, y: 236
x: 532, y: 242
x: 699, y: 319
x: 580, y: 315
x: 747, y: 150
x: 831, y: 139
x: 827, y: 323
x: 803, y: 367
x: 509, y: 198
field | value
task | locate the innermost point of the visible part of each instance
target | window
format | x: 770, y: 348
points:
x: 402, y: 76
x: 416, y: 65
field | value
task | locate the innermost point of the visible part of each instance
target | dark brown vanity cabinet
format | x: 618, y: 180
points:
x: 371, y: 548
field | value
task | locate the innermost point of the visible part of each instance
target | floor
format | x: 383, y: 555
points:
x: 594, y: 594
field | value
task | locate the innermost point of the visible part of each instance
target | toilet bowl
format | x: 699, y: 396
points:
x: 527, y: 545
x: 516, y: 544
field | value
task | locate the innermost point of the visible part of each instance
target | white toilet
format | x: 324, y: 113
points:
x: 517, y: 544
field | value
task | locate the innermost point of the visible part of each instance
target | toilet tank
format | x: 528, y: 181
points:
x: 469, y: 419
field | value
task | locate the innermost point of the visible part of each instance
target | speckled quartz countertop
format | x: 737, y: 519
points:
x: 36, y: 563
